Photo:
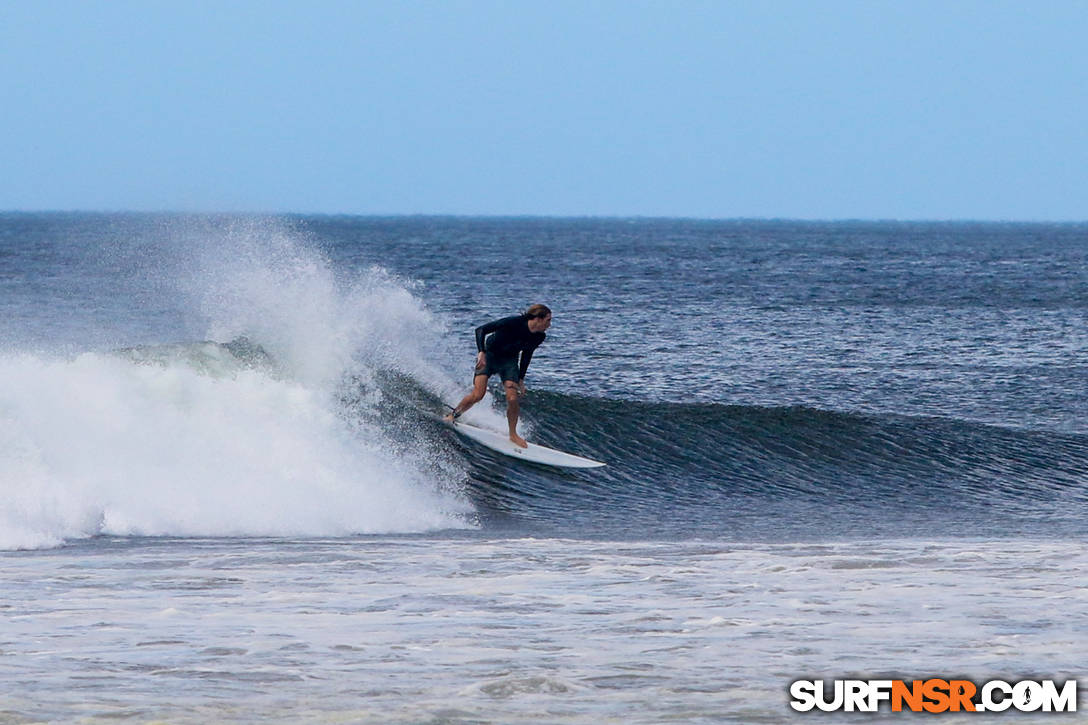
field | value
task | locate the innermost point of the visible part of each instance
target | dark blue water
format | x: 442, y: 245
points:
x: 741, y: 378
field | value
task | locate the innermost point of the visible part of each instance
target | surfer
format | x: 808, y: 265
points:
x: 500, y: 344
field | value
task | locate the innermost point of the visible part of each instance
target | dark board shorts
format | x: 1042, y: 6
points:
x: 506, y: 368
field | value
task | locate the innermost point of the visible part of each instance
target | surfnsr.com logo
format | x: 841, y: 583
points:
x: 933, y: 695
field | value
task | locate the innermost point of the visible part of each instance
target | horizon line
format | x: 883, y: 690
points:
x: 543, y: 216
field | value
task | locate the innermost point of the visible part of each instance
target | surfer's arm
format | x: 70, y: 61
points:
x: 484, y: 330
x: 526, y: 356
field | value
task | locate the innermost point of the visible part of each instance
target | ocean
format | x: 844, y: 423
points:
x: 835, y: 450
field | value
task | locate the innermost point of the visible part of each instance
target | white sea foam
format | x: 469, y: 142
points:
x: 104, y: 445
x: 184, y: 440
x: 468, y: 629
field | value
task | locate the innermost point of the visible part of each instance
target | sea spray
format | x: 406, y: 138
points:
x: 267, y: 281
x: 242, y: 435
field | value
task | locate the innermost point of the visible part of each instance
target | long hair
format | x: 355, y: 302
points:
x: 537, y: 311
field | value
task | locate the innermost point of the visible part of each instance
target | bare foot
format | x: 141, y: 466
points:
x: 518, y: 440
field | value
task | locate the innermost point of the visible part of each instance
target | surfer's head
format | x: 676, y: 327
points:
x: 538, y: 311
x: 540, y: 317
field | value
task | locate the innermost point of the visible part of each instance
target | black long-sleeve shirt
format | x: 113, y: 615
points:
x: 508, y: 337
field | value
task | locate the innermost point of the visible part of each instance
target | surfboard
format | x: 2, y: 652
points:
x: 535, y: 453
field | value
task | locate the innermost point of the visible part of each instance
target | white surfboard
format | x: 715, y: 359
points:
x: 535, y: 453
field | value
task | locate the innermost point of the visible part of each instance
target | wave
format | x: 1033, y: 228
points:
x: 214, y: 439
x: 709, y: 469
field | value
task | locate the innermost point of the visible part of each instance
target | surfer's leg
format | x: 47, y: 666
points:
x: 513, y: 410
x: 479, y: 388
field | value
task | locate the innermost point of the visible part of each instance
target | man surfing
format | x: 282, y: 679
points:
x: 505, y: 347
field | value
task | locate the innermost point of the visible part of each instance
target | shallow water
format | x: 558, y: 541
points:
x: 475, y: 629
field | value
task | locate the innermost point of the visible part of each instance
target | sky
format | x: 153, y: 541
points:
x: 814, y: 109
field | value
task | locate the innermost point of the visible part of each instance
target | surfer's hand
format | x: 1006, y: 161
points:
x: 481, y: 360
x: 521, y: 390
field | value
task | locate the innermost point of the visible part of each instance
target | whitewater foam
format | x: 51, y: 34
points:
x: 243, y: 435
x: 103, y: 445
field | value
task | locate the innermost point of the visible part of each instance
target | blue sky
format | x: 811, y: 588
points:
x: 819, y: 110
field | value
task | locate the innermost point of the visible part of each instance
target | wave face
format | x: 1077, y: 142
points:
x: 681, y: 470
